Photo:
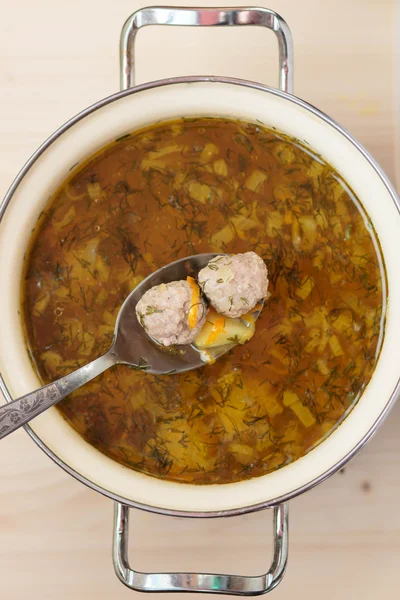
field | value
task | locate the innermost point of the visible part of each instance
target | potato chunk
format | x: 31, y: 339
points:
x: 219, y: 330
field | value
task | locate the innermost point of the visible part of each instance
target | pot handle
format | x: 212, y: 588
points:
x: 205, y: 17
x: 237, y: 585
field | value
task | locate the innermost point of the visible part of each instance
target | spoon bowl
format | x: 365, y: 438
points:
x: 131, y: 346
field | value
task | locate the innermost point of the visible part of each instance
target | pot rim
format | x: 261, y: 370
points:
x: 315, y: 111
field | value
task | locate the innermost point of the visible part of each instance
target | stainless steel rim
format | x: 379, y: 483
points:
x: 323, y: 117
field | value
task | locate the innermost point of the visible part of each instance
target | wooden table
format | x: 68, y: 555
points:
x: 55, y: 535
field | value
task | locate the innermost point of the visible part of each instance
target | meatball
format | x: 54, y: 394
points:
x: 234, y: 284
x: 172, y: 313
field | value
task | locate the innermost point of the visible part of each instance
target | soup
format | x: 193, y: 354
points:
x: 209, y: 185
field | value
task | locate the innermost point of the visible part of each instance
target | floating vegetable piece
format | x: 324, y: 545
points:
x: 305, y: 289
x: 335, y: 346
x: 219, y: 330
x: 223, y: 237
x: 220, y: 167
x: 209, y: 151
x: 195, y: 302
x: 255, y: 180
x: 95, y: 191
x: 199, y: 191
x: 292, y: 401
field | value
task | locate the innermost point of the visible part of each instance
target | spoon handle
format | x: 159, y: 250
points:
x: 18, y: 412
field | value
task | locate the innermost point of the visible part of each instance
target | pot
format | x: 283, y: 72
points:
x: 89, y: 131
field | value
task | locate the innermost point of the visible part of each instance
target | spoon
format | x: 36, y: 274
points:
x: 131, y: 346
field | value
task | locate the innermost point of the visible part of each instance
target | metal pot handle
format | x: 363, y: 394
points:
x: 206, y: 17
x: 237, y: 585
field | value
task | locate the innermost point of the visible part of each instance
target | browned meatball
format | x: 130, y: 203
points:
x: 234, y: 284
x: 163, y: 311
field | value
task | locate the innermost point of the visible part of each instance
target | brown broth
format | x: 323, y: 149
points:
x: 207, y: 185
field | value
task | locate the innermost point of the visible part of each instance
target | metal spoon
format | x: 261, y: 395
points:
x: 131, y: 346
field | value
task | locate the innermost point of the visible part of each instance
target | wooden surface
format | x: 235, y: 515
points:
x: 55, y: 535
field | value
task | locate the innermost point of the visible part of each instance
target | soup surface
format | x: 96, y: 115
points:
x: 209, y: 185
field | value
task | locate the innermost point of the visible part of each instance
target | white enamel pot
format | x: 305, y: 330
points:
x: 89, y: 131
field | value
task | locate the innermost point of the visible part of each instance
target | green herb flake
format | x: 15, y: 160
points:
x: 151, y: 310
x: 123, y: 137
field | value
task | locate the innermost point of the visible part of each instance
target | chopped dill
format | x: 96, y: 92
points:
x: 151, y: 310
x: 189, y: 187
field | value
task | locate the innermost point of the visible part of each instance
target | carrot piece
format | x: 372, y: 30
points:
x: 195, y: 302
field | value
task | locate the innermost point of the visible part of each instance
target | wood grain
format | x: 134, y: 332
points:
x: 55, y: 535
